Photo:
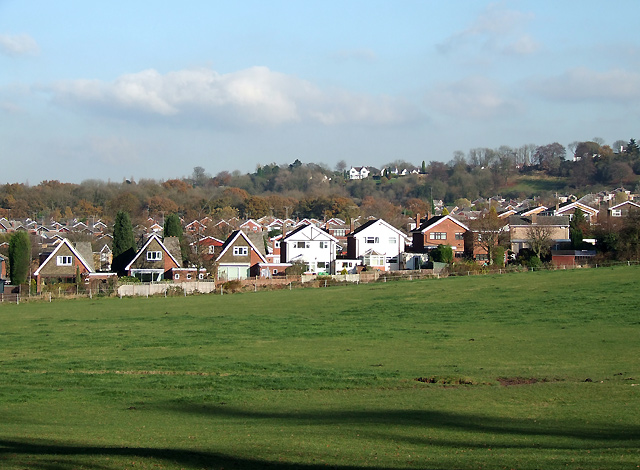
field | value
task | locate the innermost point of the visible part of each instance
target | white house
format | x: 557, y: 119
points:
x: 312, y: 246
x: 358, y: 172
x: 377, y: 242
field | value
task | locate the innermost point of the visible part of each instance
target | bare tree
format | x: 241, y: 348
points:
x: 539, y: 239
x: 487, y: 232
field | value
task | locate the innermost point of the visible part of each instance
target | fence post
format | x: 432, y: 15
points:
x: 289, y: 285
x: 90, y: 295
x: 17, y: 299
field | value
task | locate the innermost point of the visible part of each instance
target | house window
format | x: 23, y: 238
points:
x: 482, y: 257
x: 392, y: 240
x: 188, y: 276
x: 438, y: 235
x: 616, y: 213
x: 64, y: 260
x: 372, y: 240
x: 200, y: 276
x: 324, y: 245
x: 322, y: 264
x: 302, y: 245
x: 341, y: 232
x: 154, y: 255
x: 240, y: 250
x: 212, y: 249
x: 275, y: 271
x: 176, y: 276
x: 459, y: 235
x: 276, y: 244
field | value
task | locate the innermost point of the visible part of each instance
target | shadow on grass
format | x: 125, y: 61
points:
x: 587, y: 435
x: 409, y: 426
x: 47, y: 455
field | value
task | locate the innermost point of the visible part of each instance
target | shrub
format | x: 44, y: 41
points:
x: 232, y: 286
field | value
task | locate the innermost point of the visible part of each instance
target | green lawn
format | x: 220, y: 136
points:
x: 527, y: 371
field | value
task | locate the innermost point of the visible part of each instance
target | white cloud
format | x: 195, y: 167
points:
x: 472, y: 98
x: 496, y: 29
x: 252, y: 96
x: 583, y: 84
x: 17, y: 45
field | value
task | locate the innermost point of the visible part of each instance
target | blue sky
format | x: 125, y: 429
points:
x: 112, y: 90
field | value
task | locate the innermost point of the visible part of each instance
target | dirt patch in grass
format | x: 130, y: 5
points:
x: 446, y: 380
x: 510, y: 381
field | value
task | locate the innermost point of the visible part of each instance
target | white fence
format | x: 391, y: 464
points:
x: 156, y: 288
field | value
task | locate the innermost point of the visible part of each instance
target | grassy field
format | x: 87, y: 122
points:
x: 527, y: 371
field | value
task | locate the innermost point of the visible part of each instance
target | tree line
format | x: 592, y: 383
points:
x: 314, y: 190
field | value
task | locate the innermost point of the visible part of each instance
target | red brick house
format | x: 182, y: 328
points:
x: 440, y: 230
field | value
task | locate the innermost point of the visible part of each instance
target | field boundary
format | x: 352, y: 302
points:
x: 171, y: 289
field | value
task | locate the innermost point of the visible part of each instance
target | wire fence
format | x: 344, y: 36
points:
x: 22, y: 294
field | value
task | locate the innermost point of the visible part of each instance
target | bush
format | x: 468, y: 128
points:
x: 442, y: 254
x: 129, y: 279
x: 232, y: 286
x: 296, y: 269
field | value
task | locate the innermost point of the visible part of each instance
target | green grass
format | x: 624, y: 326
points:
x: 537, y: 184
x: 327, y: 377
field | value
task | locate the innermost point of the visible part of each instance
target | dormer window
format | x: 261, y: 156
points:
x: 240, y: 250
x: 64, y: 260
x: 154, y: 255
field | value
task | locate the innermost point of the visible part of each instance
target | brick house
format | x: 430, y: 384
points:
x: 440, y: 230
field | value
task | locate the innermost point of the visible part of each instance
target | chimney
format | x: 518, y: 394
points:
x: 417, y: 221
x: 534, y: 218
x: 352, y: 225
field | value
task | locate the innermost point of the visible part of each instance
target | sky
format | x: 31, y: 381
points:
x: 152, y: 89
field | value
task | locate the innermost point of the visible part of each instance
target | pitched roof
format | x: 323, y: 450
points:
x: 144, y: 247
x: 437, y: 220
x: 630, y: 203
x: 232, y: 239
x: 313, y: 227
x: 75, y: 252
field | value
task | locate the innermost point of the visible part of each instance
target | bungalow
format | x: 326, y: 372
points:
x: 312, y: 246
x: 65, y: 262
x: 155, y: 260
x: 239, y: 258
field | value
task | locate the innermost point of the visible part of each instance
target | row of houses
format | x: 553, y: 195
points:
x: 319, y: 246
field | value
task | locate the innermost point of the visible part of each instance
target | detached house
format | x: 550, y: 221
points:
x: 156, y: 260
x: 239, y: 258
x: 377, y: 244
x: 568, y: 209
x: 440, y: 230
x: 65, y: 262
x: 312, y: 246
x: 521, y: 229
x: 358, y: 172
